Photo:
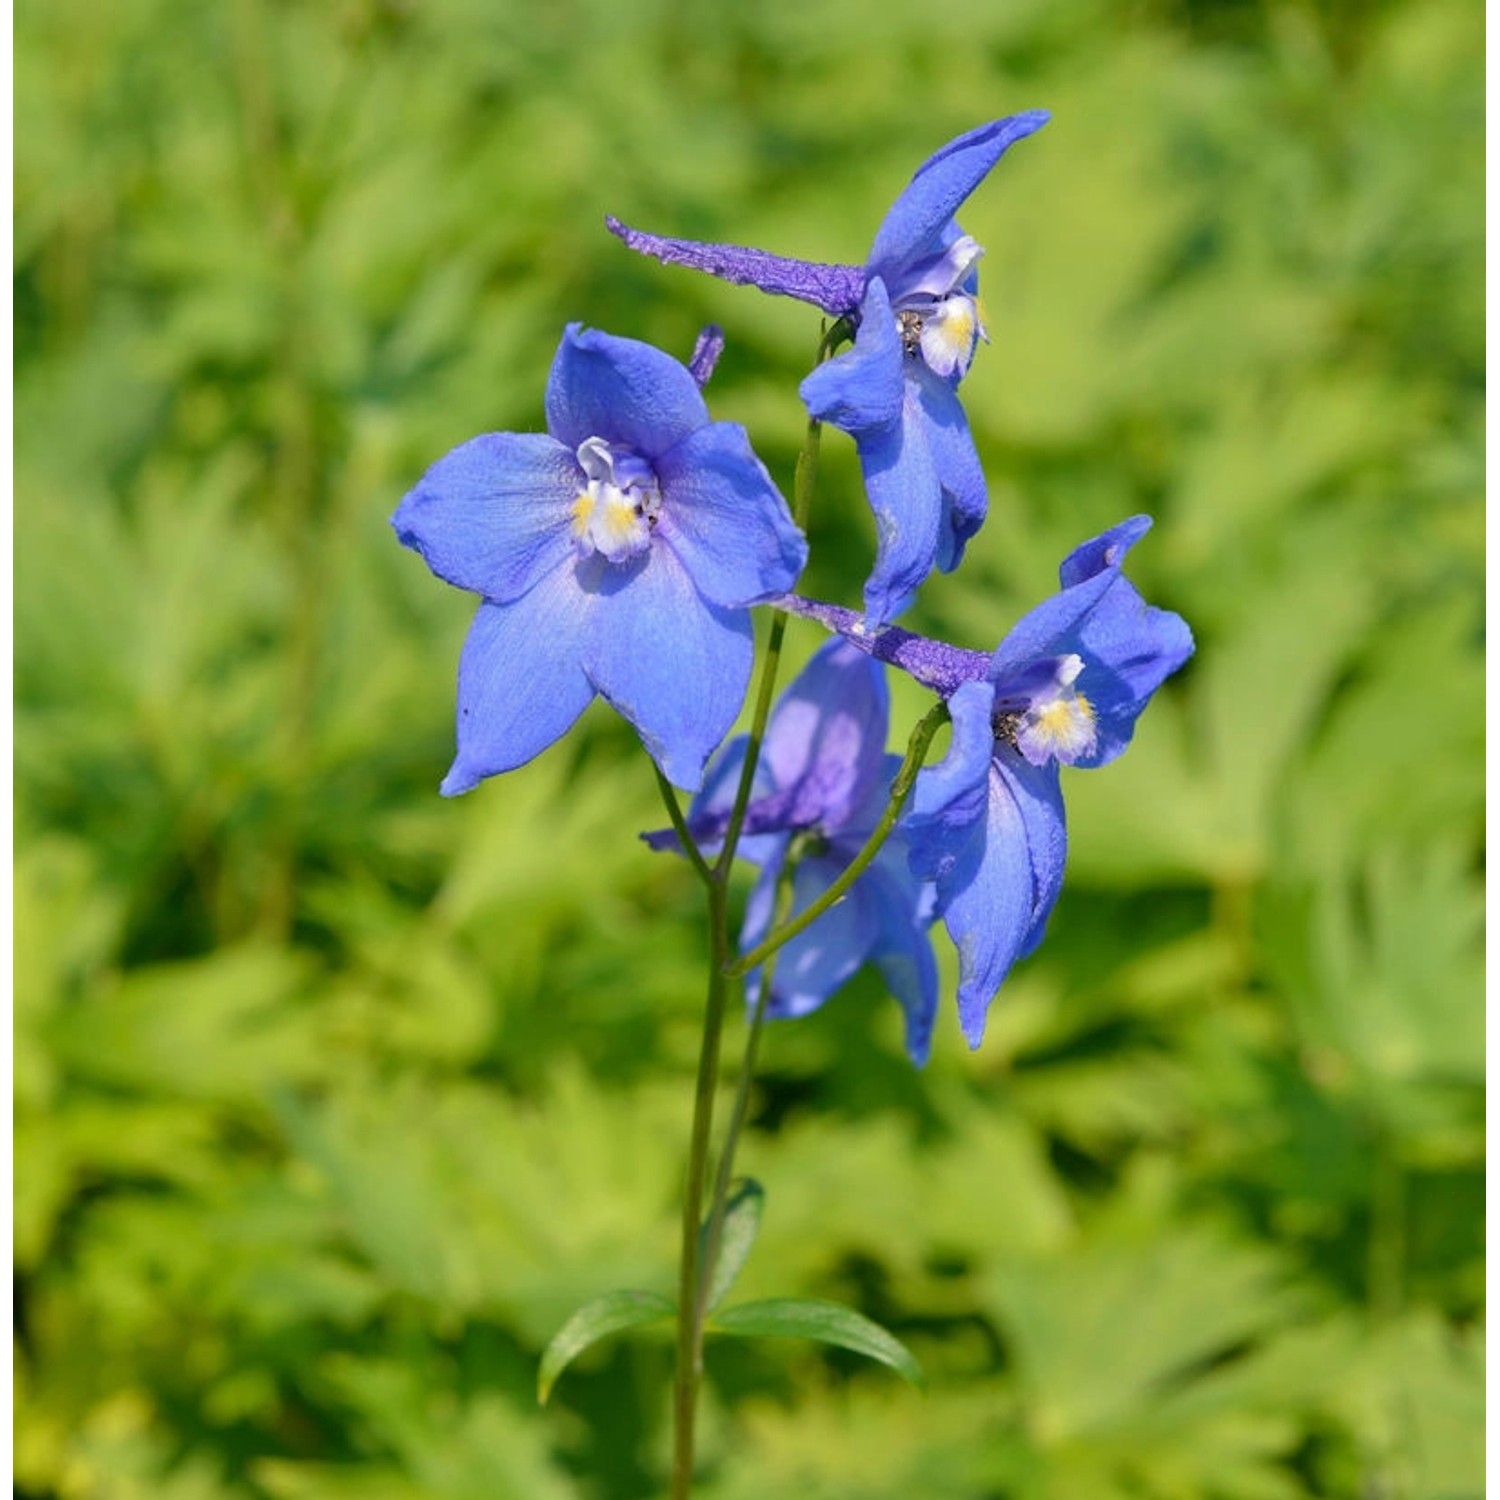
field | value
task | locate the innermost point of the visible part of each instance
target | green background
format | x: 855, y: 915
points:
x: 334, y: 1098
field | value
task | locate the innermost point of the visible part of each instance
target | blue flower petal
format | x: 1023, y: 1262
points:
x: 903, y: 950
x: 1104, y: 551
x: 965, y: 496
x: 726, y: 520
x: 836, y: 289
x: 1128, y: 647
x: 620, y: 390
x: 708, y: 815
x: 944, y: 822
x: 822, y: 759
x: 815, y: 963
x: 857, y: 826
x: 519, y: 683
x: 919, y: 216
x: 990, y: 916
x: 672, y: 663
x: 492, y: 516
x: 863, y: 388
x: 904, y: 493
x: 825, y: 743
x: 1037, y: 794
x: 1049, y: 630
x: 760, y: 907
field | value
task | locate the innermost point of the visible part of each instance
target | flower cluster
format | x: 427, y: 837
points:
x: 620, y: 552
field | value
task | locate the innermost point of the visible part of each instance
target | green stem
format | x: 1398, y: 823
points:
x: 916, y: 754
x: 725, y: 1173
x: 752, y: 750
x: 679, y: 826
x: 689, y: 1330
x: 802, y: 491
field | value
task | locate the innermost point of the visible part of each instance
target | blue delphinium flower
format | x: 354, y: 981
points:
x: 822, y: 782
x: 915, y: 305
x: 617, y: 554
x: 1064, y: 689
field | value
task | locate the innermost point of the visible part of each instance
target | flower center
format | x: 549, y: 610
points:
x: 1048, y: 718
x: 619, y: 504
x: 937, y: 314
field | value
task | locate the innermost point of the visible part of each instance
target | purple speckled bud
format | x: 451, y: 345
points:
x: 706, y: 353
x: 836, y: 289
x: 934, y: 664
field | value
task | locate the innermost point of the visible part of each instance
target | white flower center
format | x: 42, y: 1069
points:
x: 1056, y: 722
x: 619, y: 503
x: 937, y: 320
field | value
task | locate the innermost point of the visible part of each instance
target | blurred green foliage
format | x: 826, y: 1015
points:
x: 333, y: 1099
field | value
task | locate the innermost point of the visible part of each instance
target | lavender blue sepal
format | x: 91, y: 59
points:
x: 934, y: 664
x: 836, y: 289
x: 706, y: 353
x: 822, y: 783
x: 617, y: 555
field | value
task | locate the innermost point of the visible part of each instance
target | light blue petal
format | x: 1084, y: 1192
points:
x: 903, y: 489
x: 918, y: 217
x: 903, y: 950
x: 855, y: 830
x: 716, y: 796
x: 1104, y: 551
x: 620, y: 390
x: 1128, y: 648
x: 990, y: 916
x: 863, y: 389
x: 520, y: 684
x: 816, y: 962
x: 1037, y: 793
x: 725, y: 519
x: 945, y: 819
x: 760, y: 906
x: 825, y: 743
x: 492, y: 516
x: 673, y: 664
x: 709, y: 812
x: 965, y: 496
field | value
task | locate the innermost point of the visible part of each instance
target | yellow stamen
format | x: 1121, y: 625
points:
x: 583, y: 510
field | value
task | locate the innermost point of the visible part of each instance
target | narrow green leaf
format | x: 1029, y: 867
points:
x: 828, y: 1322
x: 611, y: 1313
x: 742, y: 1212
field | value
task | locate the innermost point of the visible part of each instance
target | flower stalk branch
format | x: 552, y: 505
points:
x: 679, y: 827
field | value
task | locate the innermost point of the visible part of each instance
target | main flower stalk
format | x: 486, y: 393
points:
x: 692, y: 1275
x: 689, y: 1321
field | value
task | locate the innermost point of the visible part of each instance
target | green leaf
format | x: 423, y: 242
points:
x: 828, y: 1323
x: 742, y: 1212
x: 611, y: 1313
